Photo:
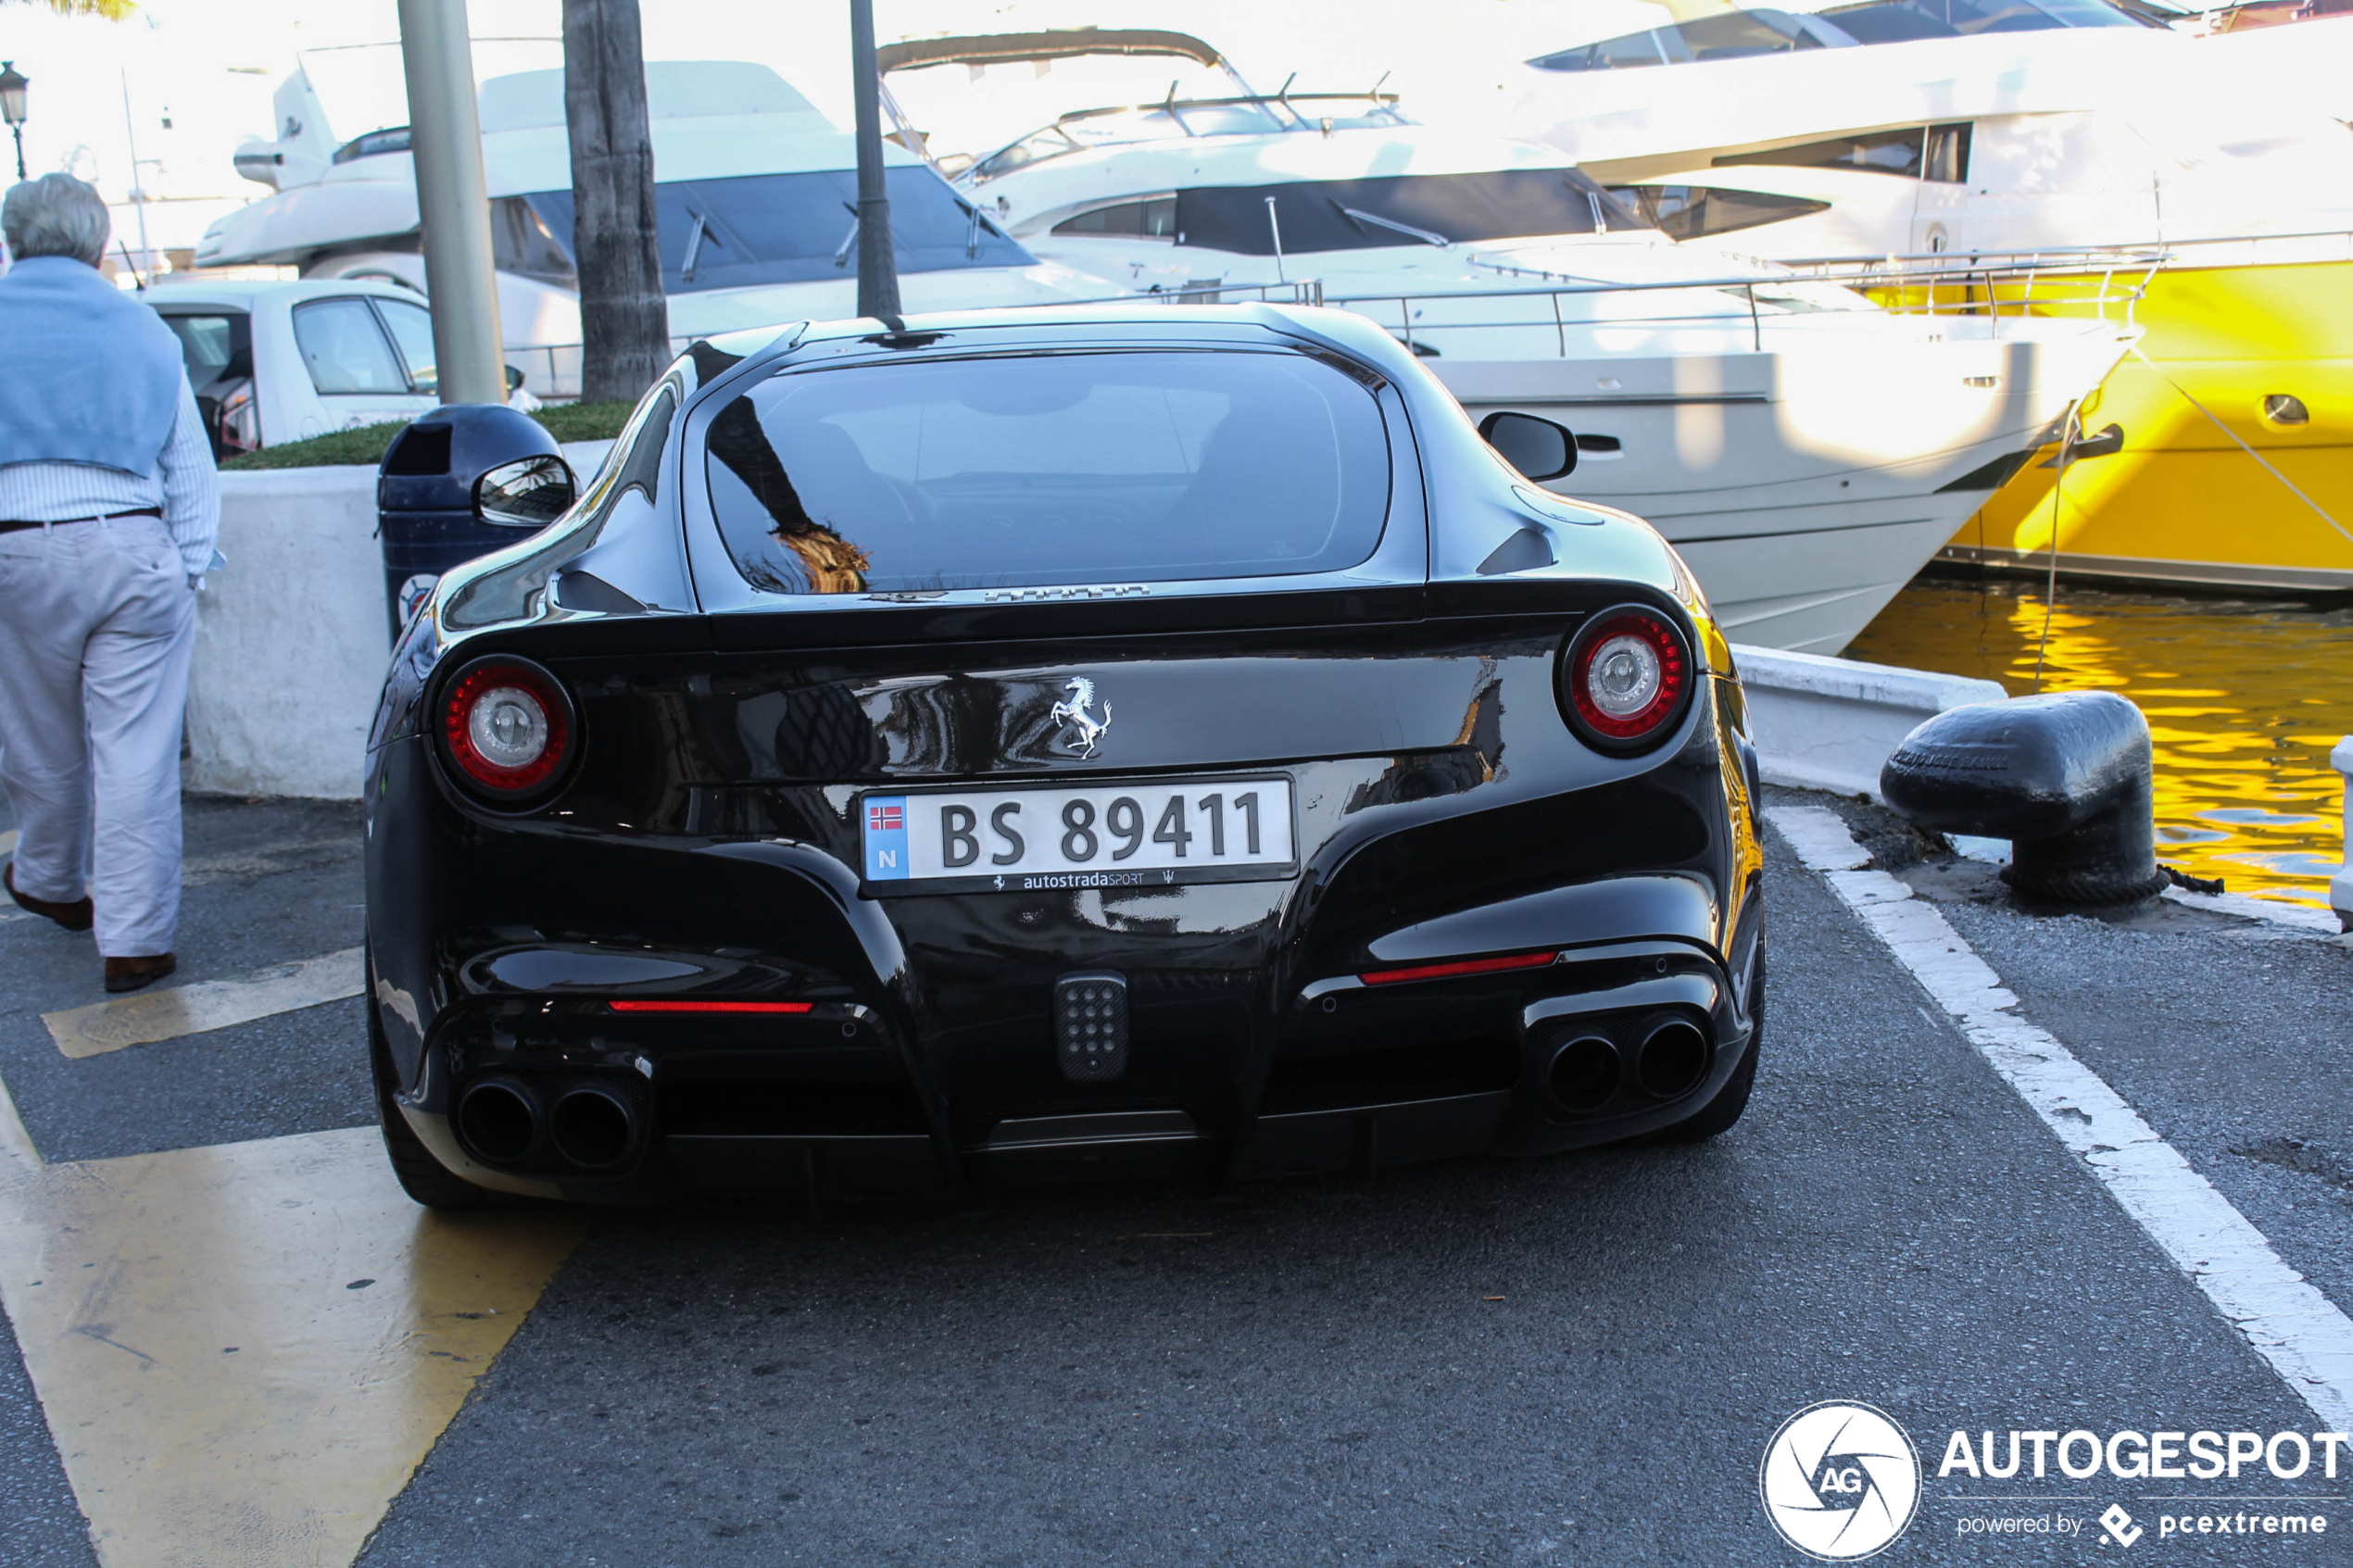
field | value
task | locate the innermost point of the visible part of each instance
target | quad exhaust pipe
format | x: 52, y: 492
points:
x: 1586, y: 1069
x: 503, y: 1120
x: 500, y: 1120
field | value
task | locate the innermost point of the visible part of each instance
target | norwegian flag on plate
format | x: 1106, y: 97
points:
x: 886, y: 838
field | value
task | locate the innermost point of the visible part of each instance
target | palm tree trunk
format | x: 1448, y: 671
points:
x: 624, y: 322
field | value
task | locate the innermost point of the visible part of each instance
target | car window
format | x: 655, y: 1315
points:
x: 412, y: 327
x: 213, y: 345
x: 346, y: 349
x: 1130, y: 467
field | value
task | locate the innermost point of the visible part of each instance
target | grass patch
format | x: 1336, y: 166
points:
x: 565, y: 421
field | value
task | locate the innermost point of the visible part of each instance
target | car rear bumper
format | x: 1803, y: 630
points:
x: 837, y: 1103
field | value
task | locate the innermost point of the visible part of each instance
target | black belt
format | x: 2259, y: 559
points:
x: 13, y: 525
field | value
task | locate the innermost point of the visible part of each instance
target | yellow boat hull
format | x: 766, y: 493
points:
x: 2207, y: 488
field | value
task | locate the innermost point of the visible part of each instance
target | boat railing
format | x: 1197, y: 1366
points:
x: 1980, y: 294
x: 1955, y: 292
x: 2078, y: 257
x: 1966, y: 286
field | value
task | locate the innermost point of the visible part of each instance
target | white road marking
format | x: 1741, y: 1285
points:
x: 146, y: 1017
x: 2300, y: 1331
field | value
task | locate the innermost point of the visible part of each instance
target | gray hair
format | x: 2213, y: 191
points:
x: 55, y: 215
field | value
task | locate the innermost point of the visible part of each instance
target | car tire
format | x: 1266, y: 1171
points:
x: 421, y: 1176
x: 1718, y: 1114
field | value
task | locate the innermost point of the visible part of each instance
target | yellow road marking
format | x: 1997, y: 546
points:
x: 129, y: 1281
x: 148, y: 1016
x: 15, y: 1143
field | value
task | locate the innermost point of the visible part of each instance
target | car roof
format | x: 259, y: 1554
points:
x: 249, y: 293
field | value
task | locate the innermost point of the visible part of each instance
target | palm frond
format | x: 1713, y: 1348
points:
x: 113, y: 10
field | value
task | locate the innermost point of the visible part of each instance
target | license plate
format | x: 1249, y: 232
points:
x: 1114, y: 836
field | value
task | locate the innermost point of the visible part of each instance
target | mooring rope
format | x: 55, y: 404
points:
x: 2242, y: 445
x: 2069, y: 430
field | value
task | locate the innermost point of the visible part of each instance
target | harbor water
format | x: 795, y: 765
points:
x: 2245, y: 698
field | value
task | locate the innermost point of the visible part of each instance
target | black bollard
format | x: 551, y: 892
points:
x: 2065, y: 778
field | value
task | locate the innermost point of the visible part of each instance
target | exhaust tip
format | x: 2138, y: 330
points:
x: 594, y: 1127
x: 1584, y: 1073
x: 1673, y: 1058
x: 498, y: 1119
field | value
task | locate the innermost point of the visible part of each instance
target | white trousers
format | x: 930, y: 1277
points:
x: 96, y: 623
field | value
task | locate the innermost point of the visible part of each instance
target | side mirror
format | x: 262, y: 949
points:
x: 514, y: 380
x: 1538, y: 447
x: 532, y: 493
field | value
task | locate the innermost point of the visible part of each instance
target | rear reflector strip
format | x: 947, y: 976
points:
x: 1448, y: 971
x: 710, y: 1007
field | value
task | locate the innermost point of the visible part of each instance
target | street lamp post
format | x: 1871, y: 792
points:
x: 12, y: 85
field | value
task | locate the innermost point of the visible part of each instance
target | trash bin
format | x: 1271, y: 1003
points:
x: 425, y: 494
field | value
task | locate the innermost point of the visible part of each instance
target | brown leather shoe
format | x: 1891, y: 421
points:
x: 129, y: 974
x: 75, y: 916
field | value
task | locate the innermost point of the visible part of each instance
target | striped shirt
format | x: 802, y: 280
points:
x: 183, y: 484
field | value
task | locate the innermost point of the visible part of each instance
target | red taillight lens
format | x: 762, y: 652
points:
x: 506, y: 726
x: 1457, y: 967
x: 1627, y: 676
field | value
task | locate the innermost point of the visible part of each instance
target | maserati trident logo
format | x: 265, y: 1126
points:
x: 1085, y: 729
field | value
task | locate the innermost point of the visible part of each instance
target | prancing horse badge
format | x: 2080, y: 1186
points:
x: 1072, y: 716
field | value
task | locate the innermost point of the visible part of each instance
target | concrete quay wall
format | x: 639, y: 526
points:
x: 292, y: 639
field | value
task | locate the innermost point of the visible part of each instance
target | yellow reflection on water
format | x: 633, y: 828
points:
x: 2244, y: 701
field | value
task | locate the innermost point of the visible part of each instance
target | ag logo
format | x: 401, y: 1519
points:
x: 1839, y: 1481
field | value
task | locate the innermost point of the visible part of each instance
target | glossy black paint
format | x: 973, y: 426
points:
x: 704, y: 846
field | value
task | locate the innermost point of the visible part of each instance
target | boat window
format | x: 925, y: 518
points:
x: 520, y: 242
x: 216, y: 347
x: 411, y: 328
x: 1307, y: 113
x: 1761, y: 32
x: 1089, y: 467
x: 1326, y: 215
x: 1726, y: 37
x: 346, y: 349
x: 375, y: 144
x: 760, y: 229
x: 1934, y: 152
x: 1899, y: 21
x: 1693, y: 212
x: 1151, y: 220
x: 1948, y: 156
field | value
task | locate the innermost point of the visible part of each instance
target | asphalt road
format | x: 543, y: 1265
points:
x: 1571, y: 1360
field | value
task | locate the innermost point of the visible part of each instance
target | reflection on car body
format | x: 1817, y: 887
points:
x: 1021, y: 746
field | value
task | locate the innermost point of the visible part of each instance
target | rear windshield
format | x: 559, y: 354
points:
x: 214, y: 347
x: 1048, y: 469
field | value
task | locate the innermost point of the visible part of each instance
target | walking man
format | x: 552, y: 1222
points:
x: 109, y: 509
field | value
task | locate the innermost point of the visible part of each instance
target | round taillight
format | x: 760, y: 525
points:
x: 506, y: 726
x: 1627, y: 677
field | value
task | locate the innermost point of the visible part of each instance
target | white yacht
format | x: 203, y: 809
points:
x: 1895, y: 127
x: 755, y: 194
x: 1806, y: 450
x: 2025, y: 155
